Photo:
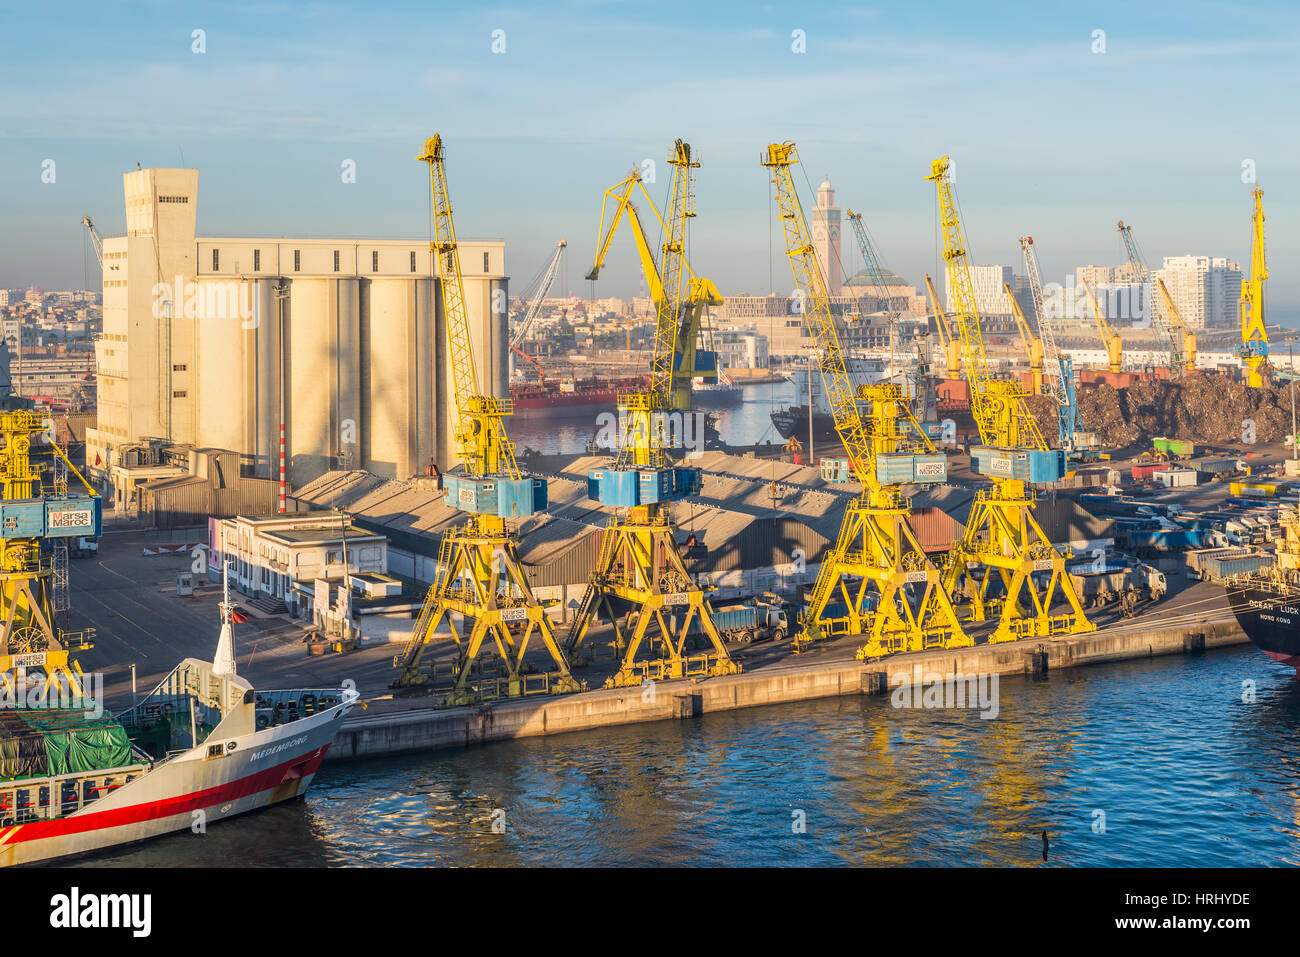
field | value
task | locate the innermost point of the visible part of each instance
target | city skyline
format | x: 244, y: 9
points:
x: 275, y: 126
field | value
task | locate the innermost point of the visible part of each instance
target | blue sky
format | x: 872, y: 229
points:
x: 1048, y: 137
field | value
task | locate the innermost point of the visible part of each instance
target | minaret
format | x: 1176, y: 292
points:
x: 826, y: 235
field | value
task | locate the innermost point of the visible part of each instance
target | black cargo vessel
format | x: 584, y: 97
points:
x: 1268, y: 610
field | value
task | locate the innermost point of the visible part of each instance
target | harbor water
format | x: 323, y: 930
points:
x: 744, y: 423
x: 1167, y: 762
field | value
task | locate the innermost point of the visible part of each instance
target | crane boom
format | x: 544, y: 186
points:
x: 888, y: 304
x: 1052, y: 356
x: 997, y: 406
x: 1254, y: 333
x: 1033, y: 345
x: 951, y: 347
x: 484, y: 446
x: 1188, y: 337
x: 535, y: 304
x: 95, y: 241
x: 1159, y: 320
x: 1113, y: 344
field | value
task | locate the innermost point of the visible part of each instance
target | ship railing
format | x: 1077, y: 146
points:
x: 273, y: 708
x: 47, y: 798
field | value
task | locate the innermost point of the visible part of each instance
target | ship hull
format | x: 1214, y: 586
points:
x: 187, y: 791
x: 1270, y: 617
x: 793, y: 423
x: 588, y: 397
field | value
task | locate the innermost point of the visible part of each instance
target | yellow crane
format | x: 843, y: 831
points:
x: 1254, y: 334
x: 479, y: 575
x: 640, y: 576
x: 877, y: 571
x: 38, y: 517
x: 691, y: 361
x: 1113, y: 344
x: 951, y: 347
x: 1002, y: 536
x: 1033, y: 345
x: 1189, y: 337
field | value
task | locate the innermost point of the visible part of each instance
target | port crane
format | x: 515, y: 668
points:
x: 879, y: 575
x: 951, y: 347
x: 479, y: 575
x: 1160, y: 322
x: 1253, y: 350
x: 39, y: 513
x: 1002, y: 535
x: 1055, y: 361
x: 1113, y: 344
x: 640, y: 572
x: 1188, y: 337
x: 534, y: 306
x: 1033, y: 345
x: 96, y: 243
x: 689, y: 361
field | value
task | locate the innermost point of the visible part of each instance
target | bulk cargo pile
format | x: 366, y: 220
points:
x: 1203, y: 407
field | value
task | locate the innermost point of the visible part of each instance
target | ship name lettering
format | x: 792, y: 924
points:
x: 267, y: 752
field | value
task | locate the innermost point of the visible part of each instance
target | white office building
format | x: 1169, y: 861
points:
x: 990, y: 297
x: 1206, y: 291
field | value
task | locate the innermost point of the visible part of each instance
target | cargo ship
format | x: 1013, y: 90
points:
x: 1266, y: 602
x: 202, y: 747
x: 576, y: 397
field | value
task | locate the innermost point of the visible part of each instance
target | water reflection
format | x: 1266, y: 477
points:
x: 1184, y: 772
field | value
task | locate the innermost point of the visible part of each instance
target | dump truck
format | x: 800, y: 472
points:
x: 1099, y: 585
x: 756, y: 620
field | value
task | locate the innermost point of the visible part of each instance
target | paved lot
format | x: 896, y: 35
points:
x: 131, y: 600
x: 132, y: 603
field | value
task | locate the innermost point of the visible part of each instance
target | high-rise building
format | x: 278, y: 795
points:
x: 1205, y: 290
x: 222, y: 342
x: 826, y: 235
x: 990, y: 297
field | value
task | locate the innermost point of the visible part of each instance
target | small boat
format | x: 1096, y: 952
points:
x: 202, y: 747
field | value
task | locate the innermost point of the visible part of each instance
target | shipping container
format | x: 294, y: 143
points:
x: 1020, y: 464
x: 1175, y: 478
x: 1221, y: 566
x: 836, y: 470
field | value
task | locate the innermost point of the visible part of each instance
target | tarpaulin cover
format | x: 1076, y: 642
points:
x: 39, y: 742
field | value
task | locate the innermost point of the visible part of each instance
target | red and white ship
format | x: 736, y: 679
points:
x: 202, y: 747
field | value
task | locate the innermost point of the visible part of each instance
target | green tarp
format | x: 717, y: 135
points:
x: 39, y: 742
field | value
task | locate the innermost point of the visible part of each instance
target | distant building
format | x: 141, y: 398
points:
x: 1205, y: 290
x: 990, y: 298
x: 741, y: 348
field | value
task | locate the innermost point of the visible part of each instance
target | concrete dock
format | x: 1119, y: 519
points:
x: 392, y: 726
